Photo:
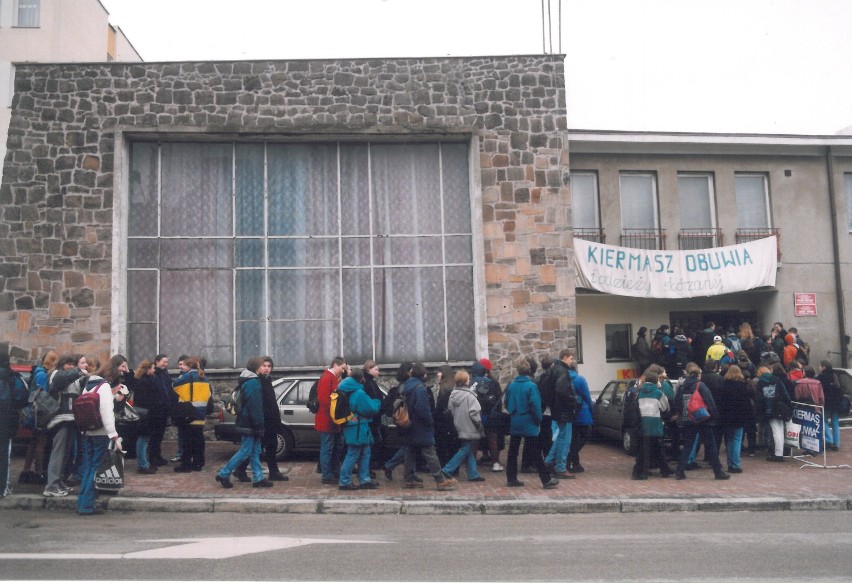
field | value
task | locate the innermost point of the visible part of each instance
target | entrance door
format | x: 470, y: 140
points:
x: 695, y: 321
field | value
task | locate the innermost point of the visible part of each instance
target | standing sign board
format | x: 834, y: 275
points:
x: 811, y: 421
x: 805, y: 304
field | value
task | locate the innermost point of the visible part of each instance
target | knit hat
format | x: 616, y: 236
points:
x: 486, y: 363
x: 790, y: 339
x: 717, y: 339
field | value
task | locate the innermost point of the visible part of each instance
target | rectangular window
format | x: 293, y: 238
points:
x: 639, y: 214
x: 27, y: 13
x: 584, y: 200
x: 697, y: 212
x: 300, y: 251
x: 618, y: 342
x: 752, y: 201
x: 847, y: 188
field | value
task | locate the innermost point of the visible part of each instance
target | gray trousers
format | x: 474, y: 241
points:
x: 63, y: 434
x: 431, y: 460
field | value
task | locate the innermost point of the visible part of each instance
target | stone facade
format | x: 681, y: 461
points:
x: 60, y: 174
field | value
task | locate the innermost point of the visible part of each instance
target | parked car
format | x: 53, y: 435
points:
x: 298, y: 433
x: 608, y: 415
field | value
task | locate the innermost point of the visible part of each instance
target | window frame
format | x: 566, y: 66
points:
x: 17, y: 14
x: 473, y: 260
x: 596, y: 199
x: 767, y: 203
x: 612, y: 329
x: 655, y: 196
x: 711, y: 193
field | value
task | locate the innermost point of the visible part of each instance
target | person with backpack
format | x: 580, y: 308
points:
x: 660, y: 345
x: 523, y: 403
x: 679, y: 354
x: 190, y: 412
x: 420, y: 436
x: 250, y: 424
x: 465, y: 410
x: 563, y: 409
x: 581, y: 427
x: 331, y: 443
x: 395, y: 394
x: 36, y: 448
x: 13, y: 398
x: 65, y: 385
x: 489, y: 394
x: 271, y: 426
x: 356, y: 431
x: 692, y: 425
x: 809, y: 389
x: 106, y: 384
x: 773, y: 406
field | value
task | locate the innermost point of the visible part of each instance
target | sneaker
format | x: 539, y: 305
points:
x: 72, y: 481
x: 262, y: 484
x: 54, y: 492
x: 516, y: 484
x: 369, y: 486
x: 278, y: 477
x: 497, y: 467
x: 476, y: 479
x: 550, y: 484
x: 448, y: 484
x: 775, y: 458
x: 563, y: 475
x: 347, y: 487
x: 735, y: 470
x: 413, y: 484
x: 175, y: 459
x: 722, y: 476
x: 388, y: 474
x: 64, y: 486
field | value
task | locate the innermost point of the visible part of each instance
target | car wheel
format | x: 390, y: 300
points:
x: 286, y: 444
x: 628, y: 441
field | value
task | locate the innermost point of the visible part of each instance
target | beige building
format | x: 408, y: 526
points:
x: 699, y: 191
x: 54, y: 31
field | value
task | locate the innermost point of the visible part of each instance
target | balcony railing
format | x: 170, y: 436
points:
x: 593, y: 235
x: 643, y: 238
x: 689, y: 239
x: 746, y: 235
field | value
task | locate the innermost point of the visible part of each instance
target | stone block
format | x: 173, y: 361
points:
x: 520, y: 298
x: 360, y: 505
x: 262, y: 506
x: 58, y: 310
x: 441, y: 507
x: 121, y: 504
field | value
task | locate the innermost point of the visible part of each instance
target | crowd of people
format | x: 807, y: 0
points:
x: 458, y: 423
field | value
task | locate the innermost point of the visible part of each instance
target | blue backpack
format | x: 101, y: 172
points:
x: 13, y: 391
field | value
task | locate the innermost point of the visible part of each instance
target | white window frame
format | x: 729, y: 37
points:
x: 596, y: 199
x: 654, y: 197
x: 17, y: 15
x: 767, y: 204
x: 711, y: 192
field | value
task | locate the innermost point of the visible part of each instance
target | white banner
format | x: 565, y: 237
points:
x: 647, y: 273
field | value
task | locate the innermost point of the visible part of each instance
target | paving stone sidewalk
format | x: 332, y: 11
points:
x: 605, y: 486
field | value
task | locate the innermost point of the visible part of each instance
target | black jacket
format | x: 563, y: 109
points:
x: 271, y: 413
x: 563, y: 407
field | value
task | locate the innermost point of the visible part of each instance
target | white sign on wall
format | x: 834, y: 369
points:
x: 651, y: 273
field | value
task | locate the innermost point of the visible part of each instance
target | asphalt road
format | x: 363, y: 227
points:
x: 735, y: 546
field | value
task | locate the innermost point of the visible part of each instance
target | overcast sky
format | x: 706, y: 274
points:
x: 740, y: 66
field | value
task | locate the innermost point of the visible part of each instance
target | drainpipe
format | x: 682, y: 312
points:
x: 838, y: 282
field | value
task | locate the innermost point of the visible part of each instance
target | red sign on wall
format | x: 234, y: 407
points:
x: 805, y: 304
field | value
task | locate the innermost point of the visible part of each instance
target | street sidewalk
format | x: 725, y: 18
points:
x: 605, y: 486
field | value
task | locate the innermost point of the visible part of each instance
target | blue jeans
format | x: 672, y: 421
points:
x: 466, y: 454
x: 142, y: 442
x: 396, y: 459
x: 361, y: 455
x: 733, y: 445
x: 693, y: 452
x: 94, y: 447
x: 250, y: 449
x: 330, y: 445
x: 832, y: 428
x: 558, y: 454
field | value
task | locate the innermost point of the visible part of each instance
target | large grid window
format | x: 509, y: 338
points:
x: 300, y: 251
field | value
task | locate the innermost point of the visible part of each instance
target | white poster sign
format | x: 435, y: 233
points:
x: 650, y: 273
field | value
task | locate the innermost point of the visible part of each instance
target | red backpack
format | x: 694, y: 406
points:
x: 87, y: 409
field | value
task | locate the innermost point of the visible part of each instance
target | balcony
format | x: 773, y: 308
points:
x: 746, y: 235
x: 689, y: 239
x: 593, y: 235
x: 643, y: 238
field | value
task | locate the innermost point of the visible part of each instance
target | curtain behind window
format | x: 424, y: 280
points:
x: 28, y: 13
x: 696, y: 210
x: 638, y: 201
x: 751, y: 202
x: 584, y: 201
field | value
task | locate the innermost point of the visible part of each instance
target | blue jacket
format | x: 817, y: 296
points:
x: 356, y: 431
x: 421, y: 433
x: 523, y: 403
x: 190, y: 387
x: 250, y: 414
x: 581, y: 387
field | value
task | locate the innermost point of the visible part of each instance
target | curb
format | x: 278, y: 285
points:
x: 432, y: 507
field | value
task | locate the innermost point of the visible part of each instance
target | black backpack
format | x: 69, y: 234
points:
x: 565, y: 400
x: 545, y: 388
x: 14, y: 393
x: 313, y: 401
x: 340, y: 410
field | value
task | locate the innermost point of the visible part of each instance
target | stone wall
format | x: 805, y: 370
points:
x: 58, y: 176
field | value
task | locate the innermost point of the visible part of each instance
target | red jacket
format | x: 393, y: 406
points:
x: 327, y: 385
